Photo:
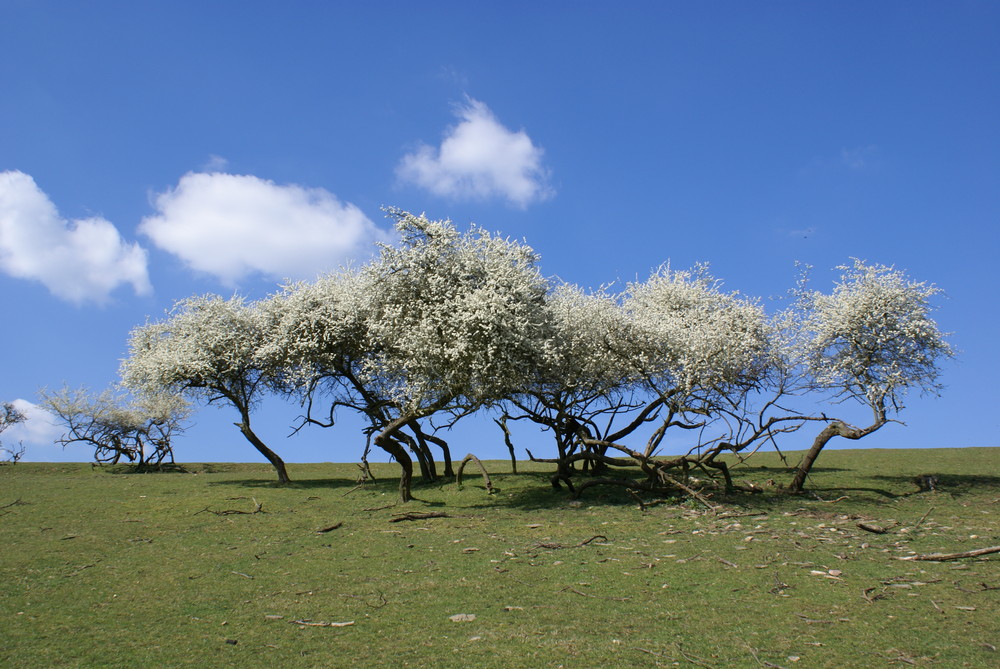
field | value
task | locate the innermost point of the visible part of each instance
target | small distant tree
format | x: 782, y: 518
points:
x: 208, y: 349
x: 10, y: 416
x: 138, y: 430
x: 870, y: 342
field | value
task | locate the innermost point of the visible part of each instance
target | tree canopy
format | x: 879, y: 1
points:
x: 445, y: 323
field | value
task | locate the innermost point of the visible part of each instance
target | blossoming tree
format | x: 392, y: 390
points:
x: 870, y: 342
x: 208, y: 349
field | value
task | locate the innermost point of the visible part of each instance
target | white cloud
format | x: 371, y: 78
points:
x: 478, y: 159
x: 80, y: 260
x: 40, y: 428
x: 232, y: 226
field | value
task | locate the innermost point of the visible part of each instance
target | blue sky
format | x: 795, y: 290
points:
x: 150, y: 151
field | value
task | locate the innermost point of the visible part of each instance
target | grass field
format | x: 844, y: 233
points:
x: 113, y: 569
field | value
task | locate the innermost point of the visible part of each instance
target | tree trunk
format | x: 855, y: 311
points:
x: 396, y: 450
x: 445, y: 451
x: 835, y: 429
x: 425, y: 471
x: 272, y: 457
x: 502, y: 422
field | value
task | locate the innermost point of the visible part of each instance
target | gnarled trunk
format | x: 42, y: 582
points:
x: 835, y: 429
x: 385, y: 441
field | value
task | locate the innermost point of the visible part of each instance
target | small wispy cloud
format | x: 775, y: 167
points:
x: 82, y: 260
x: 479, y: 158
x: 215, y: 164
x: 233, y: 226
x: 861, y: 157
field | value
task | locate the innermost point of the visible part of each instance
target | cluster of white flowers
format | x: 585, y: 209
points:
x: 873, y: 337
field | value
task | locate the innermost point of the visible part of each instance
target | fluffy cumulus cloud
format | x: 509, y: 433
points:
x: 233, y: 226
x: 479, y: 159
x: 79, y: 261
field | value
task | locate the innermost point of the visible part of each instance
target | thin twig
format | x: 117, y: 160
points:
x: 309, y: 623
x: 923, y: 517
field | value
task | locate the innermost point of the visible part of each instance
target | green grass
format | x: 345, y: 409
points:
x: 106, y: 569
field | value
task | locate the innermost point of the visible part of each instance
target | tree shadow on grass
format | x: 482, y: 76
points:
x: 325, y: 483
x: 955, y: 484
x: 166, y: 468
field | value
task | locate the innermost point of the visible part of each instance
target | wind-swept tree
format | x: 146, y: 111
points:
x: 320, y: 340
x: 209, y: 349
x: 451, y: 326
x: 115, y: 426
x: 699, y: 351
x: 870, y: 342
x: 582, y: 381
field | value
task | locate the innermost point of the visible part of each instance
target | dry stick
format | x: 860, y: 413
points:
x: 309, y: 623
x: 934, y: 557
x: 593, y: 538
x: 876, y: 529
x: 923, y: 517
x: 635, y: 496
x: 763, y: 663
x: 418, y: 515
x: 330, y: 528
x: 691, y: 659
x: 830, y: 501
x: 258, y: 508
x: 698, y: 496
x: 380, y: 508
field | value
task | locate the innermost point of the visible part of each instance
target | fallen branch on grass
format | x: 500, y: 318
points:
x: 935, y: 557
x: 331, y: 528
x: 258, y: 508
x: 309, y: 623
x: 418, y: 515
x: 876, y: 529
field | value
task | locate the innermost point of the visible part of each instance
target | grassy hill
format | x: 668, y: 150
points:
x: 218, y: 566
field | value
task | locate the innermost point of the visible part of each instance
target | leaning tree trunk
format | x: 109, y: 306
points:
x: 835, y: 429
x: 390, y: 445
x: 272, y: 457
x: 445, y: 451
